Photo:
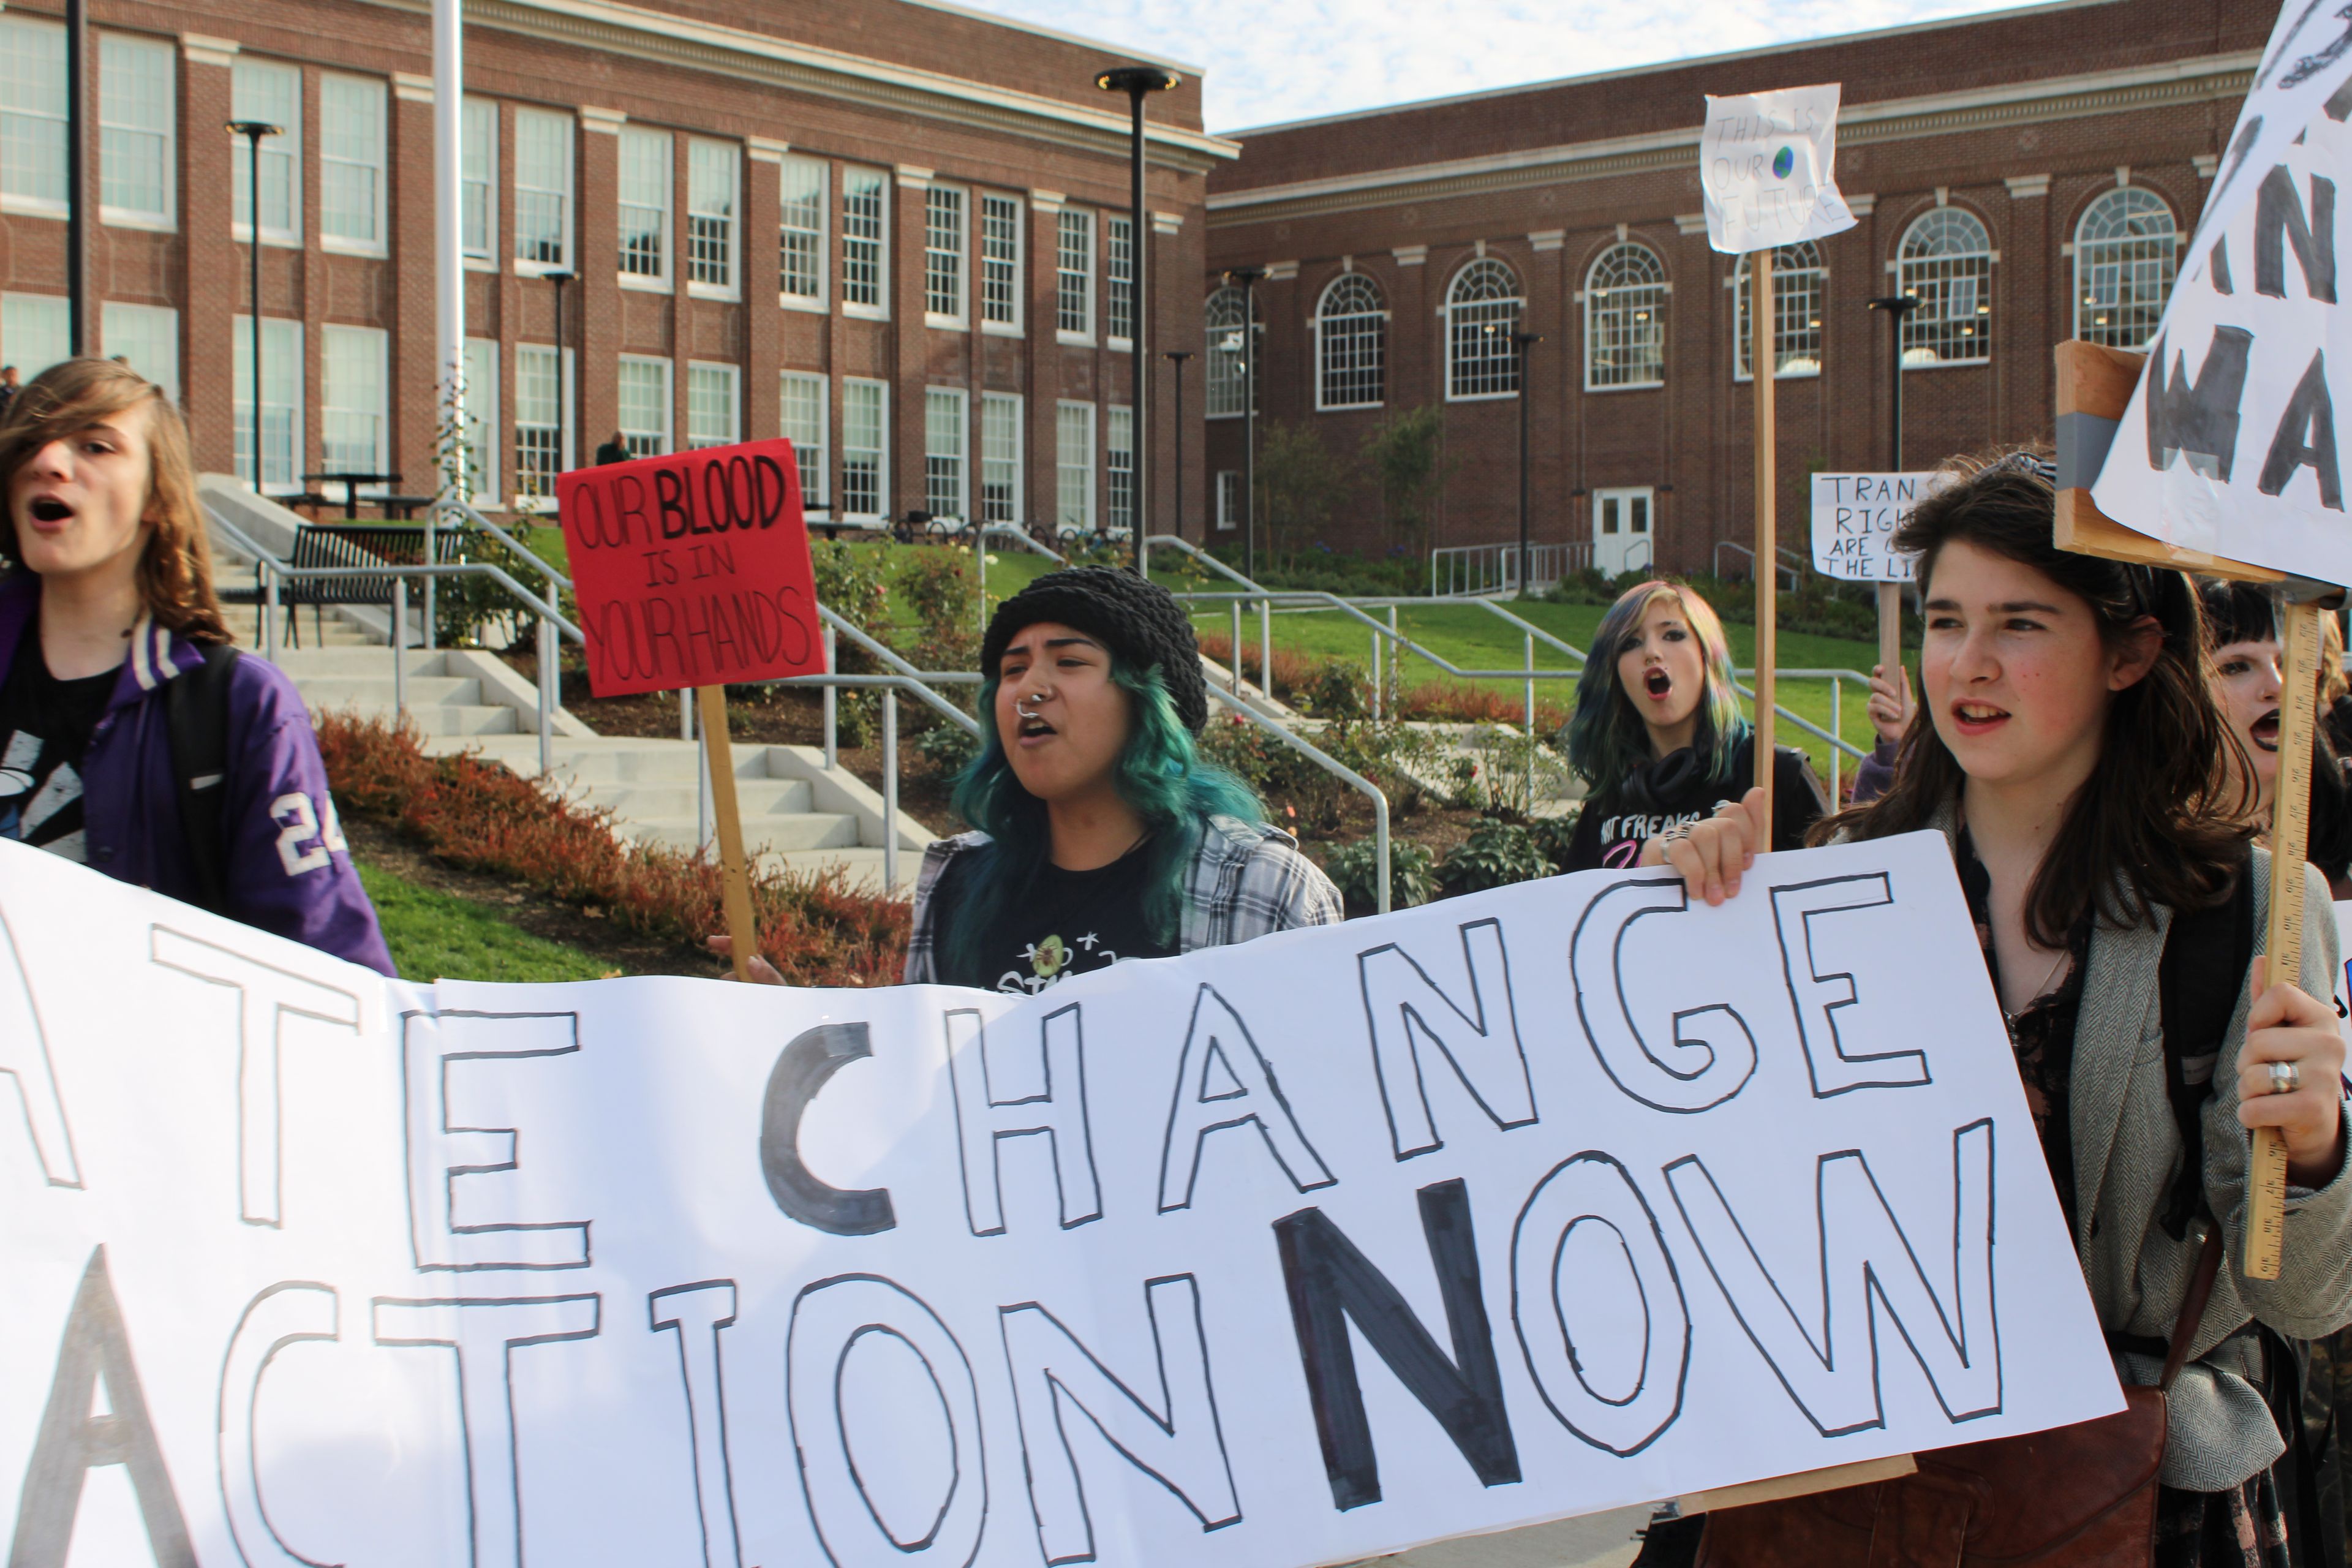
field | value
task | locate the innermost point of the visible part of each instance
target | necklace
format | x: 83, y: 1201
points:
x: 2039, y: 991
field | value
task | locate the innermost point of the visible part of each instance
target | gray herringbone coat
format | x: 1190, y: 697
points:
x: 2125, y: 1148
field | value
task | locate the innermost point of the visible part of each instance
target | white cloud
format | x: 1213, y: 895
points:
x: 1296, y: 59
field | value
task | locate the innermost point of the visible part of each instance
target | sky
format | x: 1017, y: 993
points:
x: 1273, y: 61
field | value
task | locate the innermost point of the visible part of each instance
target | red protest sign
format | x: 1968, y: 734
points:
x: 692, y: 569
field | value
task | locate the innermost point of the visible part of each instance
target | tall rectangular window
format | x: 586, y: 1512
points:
x: 1074, y: 276
x: 865, y: 234
x: 864, y: 450
x: 1229, y: 500
x: 944, y: 452
x: 1000, y: 261
x: 355, y: 399
x: 711, y: 417
x: 542, y: 178
x: 481, y: 478
x: 645, y: 405
x: 1000, y: 457
x: 148, y: 336
x: 1119, y: 267
x: 272, y: 94
x: 351, y: 161
x: 800, y: 239
x: 32, y: 115
x: 713, y: 172
x: 943, y: 252
x: 135, y: 116
x: 282, y: 401
x: 1074, y: 466
x: 645, y: 176
x: 805, y: 427
x: 36, y: 332
x: 538, y: 425
x: 479, y: 201
x: 1119, y: 438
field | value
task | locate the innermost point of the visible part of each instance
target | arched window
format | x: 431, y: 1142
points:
x: 2125, y: 251
x: 1352, y: 334
x: 1223, y: 319
x: 1482, y: 311
x: 1945, y: 264
x: 1797, y: 278
x: 1625, y: 317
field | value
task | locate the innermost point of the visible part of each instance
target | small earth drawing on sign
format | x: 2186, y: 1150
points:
x: 1782, y: 162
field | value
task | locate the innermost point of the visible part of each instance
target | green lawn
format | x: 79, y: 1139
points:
x: 436, y: 936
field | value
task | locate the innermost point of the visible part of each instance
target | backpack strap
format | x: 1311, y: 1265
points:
x: 196, y: 711
x: 2198, y: 981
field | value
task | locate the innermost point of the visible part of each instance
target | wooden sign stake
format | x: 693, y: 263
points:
x: 2096, y: 384
x: 1768, y: 555
x: 1890, y: 629
x: 736, y: 891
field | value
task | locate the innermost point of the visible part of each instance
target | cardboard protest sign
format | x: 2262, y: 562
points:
x: 1559, y: 1197
x: 692, y: 569
x: 2307, y: 64
x: 1854, y: 519
x: 1767, y: 169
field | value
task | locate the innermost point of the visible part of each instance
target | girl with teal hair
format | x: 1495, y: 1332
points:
x: 1657, y: 734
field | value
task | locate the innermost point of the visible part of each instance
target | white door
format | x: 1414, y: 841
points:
x: 1621, y: 531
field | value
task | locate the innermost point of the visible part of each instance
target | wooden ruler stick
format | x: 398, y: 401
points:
x: 1890, y: 629
x: 719, y: 755
x: 1761, y: 361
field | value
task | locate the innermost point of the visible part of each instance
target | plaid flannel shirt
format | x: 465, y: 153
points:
x: 1248, y: 879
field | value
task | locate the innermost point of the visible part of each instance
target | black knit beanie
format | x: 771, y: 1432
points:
x: 1141, y: 622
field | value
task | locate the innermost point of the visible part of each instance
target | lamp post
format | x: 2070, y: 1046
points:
x: 1520, y: 344
x: 78, y: 323
x: 559, y: 280
x: 1177, y: 357
x: 253, y: 130
x: 1247, y: 277
x: 1135, y: 81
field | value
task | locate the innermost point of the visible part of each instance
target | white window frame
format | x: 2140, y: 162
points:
x: 658, y: 151
x: 362, y: 396
x: 708, y: 159
x: 1074, y: 287
x: 701, y: 377
x: 1119, y: 441
x: 1115, y: 340
x: 2146, y: 262
x: 483, y: 431
x: 992, y: 263
x: 148, y: 336
x: 1936, y: 271
x: 821, y: 258
x: 1002, y: 429
x: 1229, y: 496
x: 947, y: 257
x: 565, y: 427
x: 367, y: 93
x: 480, y: 179
x: 1342, y: 334
x: 287, y: 351
x: 647, y: 440
x: 33, y: 125
x: 562, y: 193
x: 282, y: 151
x: 946, y: 453
x: 1485, y: 315
x: 1800, y: 281
x: 816, y: 478
x: 1224, y: 368
x: 856, y: 390
x: 1073, y: 482
x: 854, y: 177
x: 157, y: 94
x: 37, y: 316
x: 1605, y: 312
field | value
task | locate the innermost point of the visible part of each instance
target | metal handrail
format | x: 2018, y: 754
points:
x: 834, y: 619
x: 1332, y: 765
x: 1187, y: 547
x: 528, y: 557
x: 1020, y: 536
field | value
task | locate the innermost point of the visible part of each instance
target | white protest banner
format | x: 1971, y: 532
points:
x: 2229, y: 444
x: 1557, y: 1198
x: 1767, y: 169
x: 2307, y: 64
x: 1854, y: 519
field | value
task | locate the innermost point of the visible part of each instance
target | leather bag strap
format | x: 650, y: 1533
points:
x: 2192, y: 1306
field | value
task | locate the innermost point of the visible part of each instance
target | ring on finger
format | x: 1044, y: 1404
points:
x: 2285, y: 1077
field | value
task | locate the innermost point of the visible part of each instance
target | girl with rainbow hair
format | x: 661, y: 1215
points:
x: 1657, y: 734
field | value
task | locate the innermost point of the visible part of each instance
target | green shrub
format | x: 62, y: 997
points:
x: 853, y: 581
x: 945, y: 748
x: 1554, y: 835
x: 938, y: 582
x: 1354, y: 870
x: 1495, y: 855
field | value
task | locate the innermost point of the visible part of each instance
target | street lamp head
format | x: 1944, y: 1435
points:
x: 1178, y: 355
x: 1137, y: 80
x: 1900, y: 304
x: 558, y: 278
x: 1525, y: 339
x: 1245, y: 276
x: 257, y: 128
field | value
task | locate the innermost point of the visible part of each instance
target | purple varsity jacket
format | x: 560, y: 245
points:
x: 287, y: 870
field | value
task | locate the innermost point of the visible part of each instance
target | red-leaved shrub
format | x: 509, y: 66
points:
x: 813, y: 927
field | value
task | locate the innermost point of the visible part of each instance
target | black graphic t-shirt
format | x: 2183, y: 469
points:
x: 1068, y: 922
x: 1616, y: 823
x: 45, y: 727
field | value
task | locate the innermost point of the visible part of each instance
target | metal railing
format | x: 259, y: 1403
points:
x: 1459, y: 570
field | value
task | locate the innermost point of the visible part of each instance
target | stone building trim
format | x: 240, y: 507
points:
x: 200, y: 50
x: 2023, y: 187
x: 604, y: 121
x: 408, y: 87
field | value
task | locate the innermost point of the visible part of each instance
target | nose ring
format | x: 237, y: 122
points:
x: 1019, y: 708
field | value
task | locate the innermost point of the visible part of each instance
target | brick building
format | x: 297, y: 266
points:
x: 2028, y: 176
x: 939, y: 198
